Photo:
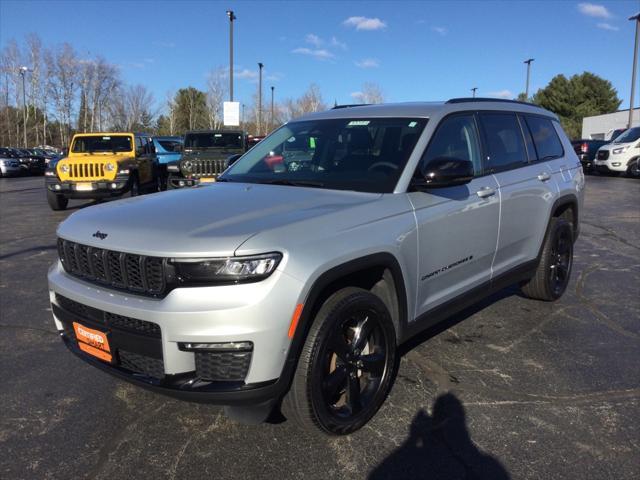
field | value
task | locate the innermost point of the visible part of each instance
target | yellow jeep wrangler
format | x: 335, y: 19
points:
x: 103, y: 165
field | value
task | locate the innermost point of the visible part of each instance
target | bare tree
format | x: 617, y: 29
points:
x: 62, y: 85
x: 310, y: 101
x: 216, y: 93
x: 370, y: 93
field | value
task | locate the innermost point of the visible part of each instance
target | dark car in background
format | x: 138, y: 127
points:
x: 586, y: 150
x: 30, y: 162
x: 206, y: 154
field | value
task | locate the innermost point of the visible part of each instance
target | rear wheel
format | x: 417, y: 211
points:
x: 554, y: 269
x: 134, y: 187
x: 347, y: 365
x: 57, y: 201
x: 633, y: 170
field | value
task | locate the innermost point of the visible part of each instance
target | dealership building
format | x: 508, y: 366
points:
x: 600, y: 127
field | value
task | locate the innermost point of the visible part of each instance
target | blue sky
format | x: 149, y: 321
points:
x: 413, y: 50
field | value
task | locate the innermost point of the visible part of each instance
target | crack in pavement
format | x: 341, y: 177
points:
x: 611, y: 233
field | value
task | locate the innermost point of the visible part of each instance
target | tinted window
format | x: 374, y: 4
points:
x: 504, y: 140
x: 546, y: 139
x: 456, y: 137
x: 629, y: 136
x: 363, y: 154
x: 170, y: 145
x: 205, y: 140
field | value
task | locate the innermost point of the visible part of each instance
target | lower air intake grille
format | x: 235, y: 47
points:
x: 137, y: 363
x: 217, y: 366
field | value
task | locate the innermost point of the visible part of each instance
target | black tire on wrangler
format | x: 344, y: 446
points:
x: 134, y: 187
x: 554, y: 270
x: 57, y: 201
x: 346, y: 367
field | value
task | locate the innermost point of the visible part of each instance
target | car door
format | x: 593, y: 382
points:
x: 144, y: 160
x: 457, y: 226
x: 526, y: 188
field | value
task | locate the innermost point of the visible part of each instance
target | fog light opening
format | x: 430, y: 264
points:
x: 114, y: 185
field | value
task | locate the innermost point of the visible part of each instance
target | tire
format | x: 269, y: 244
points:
x: 57, y: 201
x: 343, y: 378
x: 633, y: 170
x: 554, y: 270
x: 134, y: 187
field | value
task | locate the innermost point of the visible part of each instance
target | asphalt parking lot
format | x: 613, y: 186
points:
x: 512, y: 388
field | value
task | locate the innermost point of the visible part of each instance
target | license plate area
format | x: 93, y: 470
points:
x: 94, y: 342
x: 84, y: 187
x: 207, y: 180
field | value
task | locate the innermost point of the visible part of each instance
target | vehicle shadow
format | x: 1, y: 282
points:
x: 440, y: 447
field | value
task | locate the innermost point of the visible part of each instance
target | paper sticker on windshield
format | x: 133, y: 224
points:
x: 412, y: 124
x: 217, y: 134
x: 358, y: 123
x: 106, y: 138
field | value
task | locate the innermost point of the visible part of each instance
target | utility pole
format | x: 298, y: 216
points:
x: 636, y: 19
x: 244, y: 120
x: 474, y: 91
x: 271, y: 120
x: 232, y: 17
x: 260, y: 67
x: 23, y: 72
x: 526, y: 90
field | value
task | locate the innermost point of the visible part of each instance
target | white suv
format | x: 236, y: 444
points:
x: 295, y: 277
x: 621, y: 156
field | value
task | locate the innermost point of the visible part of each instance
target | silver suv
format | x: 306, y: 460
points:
x: 292, y: 281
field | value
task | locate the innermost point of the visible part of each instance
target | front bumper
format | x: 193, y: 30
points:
x: 259, y: 313
x: 178, y: 181
x: 610, y: 165
x: 10, y: 170
x: 98, y: 189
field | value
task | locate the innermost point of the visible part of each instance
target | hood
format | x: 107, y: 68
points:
x: 205, y: 221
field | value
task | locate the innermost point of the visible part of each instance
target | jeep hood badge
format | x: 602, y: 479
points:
x: 100, y: 235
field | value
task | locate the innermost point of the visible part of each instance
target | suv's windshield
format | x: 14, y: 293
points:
x: 204, y: 140
x: 102, y: 143
x: 628, y: 136
x: 364, y: 154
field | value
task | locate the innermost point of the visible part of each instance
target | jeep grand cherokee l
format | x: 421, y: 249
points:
x: 292, y: 282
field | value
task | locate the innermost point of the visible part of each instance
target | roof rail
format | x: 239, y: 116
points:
x: 337, y: 107
x: 484, y: 99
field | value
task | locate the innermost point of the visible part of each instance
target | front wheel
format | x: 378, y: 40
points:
x: 633, y: 170
x: 134, y: 187
x: 553, y: 272
x: 347, y: 365
x: 57, y: 201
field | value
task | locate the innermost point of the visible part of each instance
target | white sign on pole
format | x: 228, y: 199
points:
x: 231, y: 114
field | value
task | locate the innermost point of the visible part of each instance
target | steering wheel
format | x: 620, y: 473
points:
x: 390, y: 165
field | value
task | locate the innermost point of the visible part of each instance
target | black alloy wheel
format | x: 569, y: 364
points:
x: 634, y: 168
x: 561, y: 261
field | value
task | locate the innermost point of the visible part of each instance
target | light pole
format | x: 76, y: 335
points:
x: 243, y: 118
x: 271, y: 120
x: 526, y: 90
x: 260, y: 67
x: 635, y: 18
x: 232, y: 17
x: 23, y: 72
x: 474, y: 91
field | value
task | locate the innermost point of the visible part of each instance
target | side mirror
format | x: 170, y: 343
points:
x: 444, y: 172
x: 233, y: 159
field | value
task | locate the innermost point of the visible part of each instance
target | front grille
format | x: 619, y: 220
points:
x: 137, y: 363
x: 208, y: 168
x: 109, y: 320
x: 85, y: 170
x: 603, y: 154
x: 136, y: 273
x: 217, y: 366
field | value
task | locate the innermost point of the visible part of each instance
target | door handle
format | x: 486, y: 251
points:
x: 544, y: 176
x: 486, y: 192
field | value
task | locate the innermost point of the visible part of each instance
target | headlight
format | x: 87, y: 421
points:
x: 616, y: 151
x: 187, y: 166
x: 123, y: 171
x: 225, y: 270
x: 109, y: 167
x: 64, y: 168
x: 50, y: 173
x: 3, y: 163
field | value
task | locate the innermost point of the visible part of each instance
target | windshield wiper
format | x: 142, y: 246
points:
x: 293, y: 183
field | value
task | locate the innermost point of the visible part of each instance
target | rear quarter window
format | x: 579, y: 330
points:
x: 545, y: 138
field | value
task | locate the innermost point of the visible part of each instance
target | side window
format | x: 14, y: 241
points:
x: 139, y: 146
x: 545, y: 138
x: 528, y: 140
x: 504, y: 140
x: 455, y: 137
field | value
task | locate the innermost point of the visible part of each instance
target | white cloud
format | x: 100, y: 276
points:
x: 502, y: 94
x: 593, y: 10
x: 368, y: 63
x: 357, y: 96
x: 440, y: 30
x: 245, y: 74
x: 365, y: 23
x: 319, y: 53
x: 338, y: 44
x: 314, y: 40
x: 607, y: 26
